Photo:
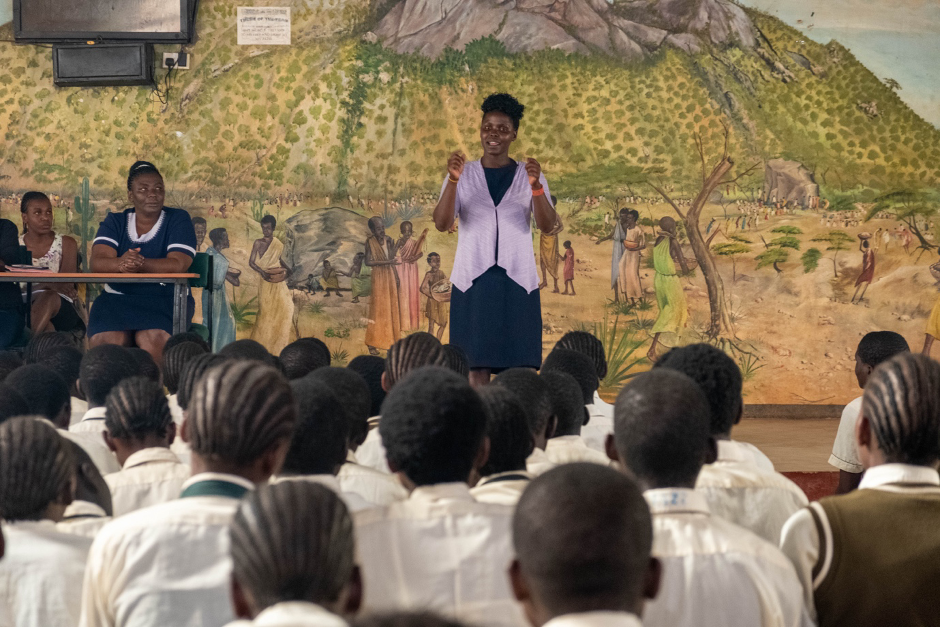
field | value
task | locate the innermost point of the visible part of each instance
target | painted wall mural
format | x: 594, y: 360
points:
x: 801, y: 188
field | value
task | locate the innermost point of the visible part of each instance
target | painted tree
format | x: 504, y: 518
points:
x: 720, y: 322
x: 836, y: 241
x: 777, y: 252
x: 892, y: 84
x: 732, y: 249
x: 914, y: 208
x: 810, y: 259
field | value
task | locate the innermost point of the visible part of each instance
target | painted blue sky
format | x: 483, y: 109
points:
x: 894, y: 38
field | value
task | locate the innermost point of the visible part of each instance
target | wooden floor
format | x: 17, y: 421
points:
x: 792, y: 445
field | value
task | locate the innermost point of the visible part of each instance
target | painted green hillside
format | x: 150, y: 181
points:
x: 337, y: 114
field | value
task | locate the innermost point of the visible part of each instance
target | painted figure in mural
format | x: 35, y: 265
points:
x: 330, y: 279
x: 549, y: 254
x: 496, y: 315
x: 617, y: 250
x: 53, y: 307
x: 223, y: 324
x: 147, y: 237
x: 408, y: 252
x: 274, y: 323
x: 933, y: 328
x: 199, y: 226
x: 629, y: 267
x: 868, y: 269
x: 385, y: 324
x: 568, y: 268
x: 436, y: 311
x: 670, y: 297
x: 360, y: 278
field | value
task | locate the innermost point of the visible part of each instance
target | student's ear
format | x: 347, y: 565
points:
x: 712, y: 451
x: 78, y: 388
x: 611, y: 449
x: 184, y: 428
x: 652, y: 579
x: 171, y: 433
x: 109, y: 441
x: 353, y: 593
x: 551, y: 427
x: 240, y: 600
x: 65, y: 416
x: 864, y: 440
x: 483, y: 454
x: 587, y: 416
x: 518, y: 583
x: 384, y: 382
x: 272, y: 460
x: 741, y: 411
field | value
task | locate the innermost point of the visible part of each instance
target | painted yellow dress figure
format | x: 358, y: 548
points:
x: 274, y: 324
x: 670, y: 297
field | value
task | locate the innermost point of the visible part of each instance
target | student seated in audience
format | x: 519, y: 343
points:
x: 91, y: 507
x: 873, y: 349
x: 714, y: 572
x: 456, y: 360
x: 380, y: 488
x: 303, y: 356
x: 12, y: 403
x: 249, y: 350
x: 601, y: 414
x: 504, y: 476
x: 190, y: 375
x: 406, y: 619
x: 412, y: 351
x: 42, y: 344
x: 175, y: 359
x: 9, y: 361
x: 41, y: 570
x: 582, y: 535
x: 440, y: 549
x: 146, y: 366
x: 66, y: 361
x: 370, y: 368
x: 169, y: 564
x: 533, y: 393
x: 140, y: 431
x: 187, y: 336
x: 319, y: 442
x: 103, y: 367
x: 581, y: 367
x: 566, y: 445
x: 293, y: 558
x: 870, y: 557
x: 741, y: 485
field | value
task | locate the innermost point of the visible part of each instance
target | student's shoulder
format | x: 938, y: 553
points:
x: 738, y: 540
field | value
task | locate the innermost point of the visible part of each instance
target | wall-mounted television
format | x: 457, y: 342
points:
x: 103, y: 20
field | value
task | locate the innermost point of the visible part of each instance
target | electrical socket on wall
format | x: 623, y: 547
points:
x: 177, y: 60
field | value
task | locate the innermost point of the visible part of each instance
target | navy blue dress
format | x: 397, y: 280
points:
x: 496, y: 322
x: 142, y: 306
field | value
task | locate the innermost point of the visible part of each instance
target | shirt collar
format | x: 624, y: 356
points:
x: 455, y: 491
x: 676, y: 501
x: 565, y: 440
x: 730, y: 451
x: 148, y: 455
x: 297, y: 613
x: 95, y: 413
x: 886, y: 474
x: 510, y: 475
x: 328, y: 481
x: 219, y: 476
x: 595, y: 619
x: 373, y: 421
x: 83, y: 509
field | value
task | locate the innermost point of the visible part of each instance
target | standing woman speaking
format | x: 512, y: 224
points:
x: 496, y: 315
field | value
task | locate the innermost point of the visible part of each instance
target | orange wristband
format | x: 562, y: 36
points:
x: 539, y: 192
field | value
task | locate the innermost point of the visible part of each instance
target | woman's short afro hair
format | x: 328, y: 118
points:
x: 504, y: 103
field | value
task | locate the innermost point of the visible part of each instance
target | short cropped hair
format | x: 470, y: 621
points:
x: 577, y: 365
x: 433, y: 424
x: 248, y: 349
x: 44, y: 391
x: 532, y: 392
x: 188, y: 336
x: 103, y: 367
x: 353, y: 393
x: 370, y: 368
x: 66, y: 361
x: 506, y: 104
x: 146, y: 366
x: 303, y: 356
x: 12, y: 403
x: 511, y: 441
x: 879, y: 346
x: 9, y: 361
x: 321, y: 433
x: 567, y: 404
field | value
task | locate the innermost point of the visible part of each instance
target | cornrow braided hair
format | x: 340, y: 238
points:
x: 175, y: 359
x: 136, y: 408
x: 413, y: 351
x: 44, y: 343
x: 901, y: 403
x: 292, y: 541
x: 239, y: 410
x: 587, y: 344
x: 36, y: 467
x: 192, y: 371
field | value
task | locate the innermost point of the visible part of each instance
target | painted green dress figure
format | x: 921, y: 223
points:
x: 670, y: 297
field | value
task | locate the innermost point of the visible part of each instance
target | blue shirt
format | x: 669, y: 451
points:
x: 173, y: 232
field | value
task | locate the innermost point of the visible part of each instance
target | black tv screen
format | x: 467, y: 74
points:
x: 108, y: 20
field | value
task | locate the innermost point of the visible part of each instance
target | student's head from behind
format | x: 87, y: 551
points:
x: 583, y: 536
x: 193, y: 371
x: 411, y: 352
x: 898, y: 423
x: 103, y: 367
x: 577, y: 365
x: 567, y: 404
x: 352, y: 392
x: 175, y: 360
x: 534, y: 394
x: 146, y: 366
x: 434, y: 428
x: 9, y: 361
x: 65, y: 361
x: 406, y: 619
x: 46, y: 393
x: 589, y: 345
x: 37, y: 471
x: 240, y: 417
x: 12, y: 403
x: 456, y: 360
x: 188, y: 336
x: 370, y: 368
x: 303, y: 356
x: 138, y: 417
x: 718, y: 376
x: 293, y: 541
x: 321, y: 432
x: 248, y: 350
x: 511, y: 441
x: 42, y: 344
x: 875, y: 348
x: 661, y: 430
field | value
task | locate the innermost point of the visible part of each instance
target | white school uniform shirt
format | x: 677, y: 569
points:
x: 737, y: 490
x: 595, y: 619
x: 379, y: 488
x: 292, y: 614
x: 570, y: 449
x: 79, y: 407
x: 93, y: 421
x: 353, y: 502
x: 168, y: 564
x: 800, y: 539
x: 538, y: 462
x: 180, y: 448
x: 41, y: 575
x: 502, y: 488
x: 82, y: 518
x: 439, y: 550
x: 150, y: 476
x: 748, y: 452
x: 371, y: 452
x: 844, y: 455
x: 717, y: 573
x: 600, y: 423
x: 94, y: 444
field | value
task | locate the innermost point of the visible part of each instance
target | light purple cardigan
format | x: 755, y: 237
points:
x: 477, y: 232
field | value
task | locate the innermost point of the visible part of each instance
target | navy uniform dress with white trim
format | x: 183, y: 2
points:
x: 142, y: 306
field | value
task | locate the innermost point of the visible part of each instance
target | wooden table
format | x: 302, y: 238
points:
x: 180, y: 283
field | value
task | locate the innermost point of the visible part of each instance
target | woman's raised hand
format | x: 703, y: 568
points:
x: 533, y: 169
x: 456, y: 164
